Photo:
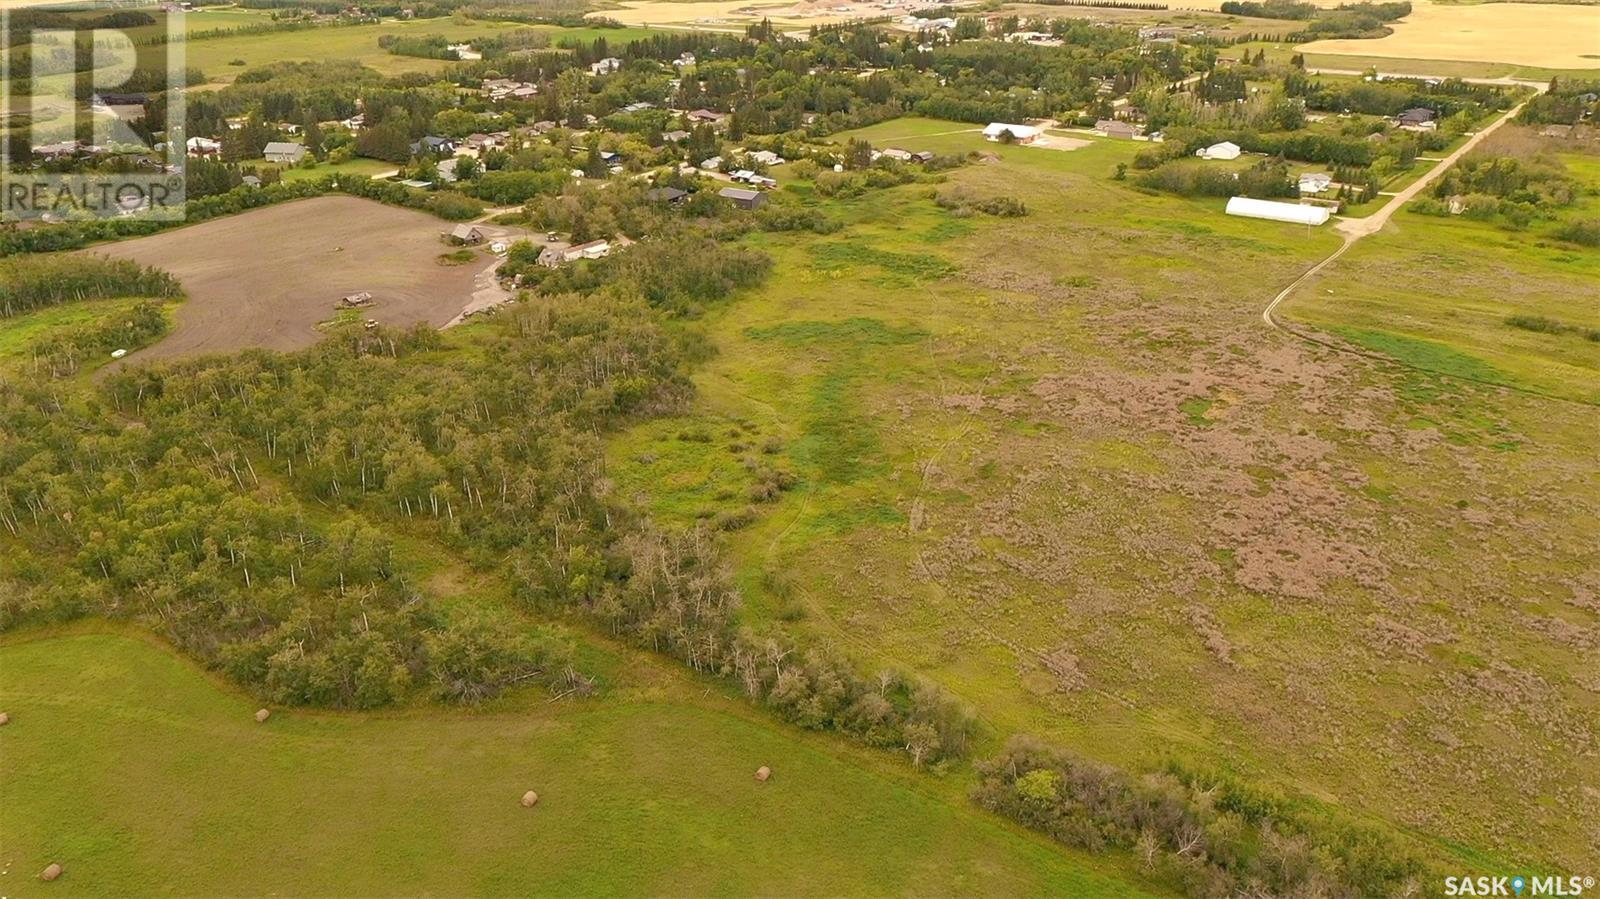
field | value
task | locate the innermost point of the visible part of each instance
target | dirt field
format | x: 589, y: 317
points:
x: 266, y: 278
x: 1553, y: 36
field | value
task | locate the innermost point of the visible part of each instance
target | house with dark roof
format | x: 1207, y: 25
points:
x: 1417, y: 117
x: 436, y: 146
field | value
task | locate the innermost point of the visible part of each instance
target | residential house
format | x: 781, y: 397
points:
x: 665, y: 195
x: 714, y: 164
x: 706, y: 117
x: 202, y: 146
x: 673, y: 137
x: 552, y: 256
x: 435, y: 146
x: 766, y: 157
x: 1117, y: 129
x: 606, y: 66
x: 897, y: 154
x: 1418, y: 118
x: 684, y: 59
x: 284, y: 152
x: 742, y: 198
x: 1315, y: 182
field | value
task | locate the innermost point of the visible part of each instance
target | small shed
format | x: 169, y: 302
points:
x: 466, y: 234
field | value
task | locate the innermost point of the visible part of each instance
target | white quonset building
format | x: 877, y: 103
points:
x: 1022, y: 134
x: 1224, y: 150
x: 1249, y: 207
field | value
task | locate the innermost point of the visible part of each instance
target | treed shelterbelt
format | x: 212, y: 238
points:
x: 247, y: 507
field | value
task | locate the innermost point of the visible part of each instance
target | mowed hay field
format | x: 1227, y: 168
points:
x: 1559, y: 36
x: 266, y: 278
x: 1058, y: 464
x: 139, y: 775
x: 221, y: 59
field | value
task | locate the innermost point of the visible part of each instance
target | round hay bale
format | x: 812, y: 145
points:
x: 762, y: 773
x: 530, y: 799
x: 51, y: 872
x: 262, y: 715
x: 4, y: 719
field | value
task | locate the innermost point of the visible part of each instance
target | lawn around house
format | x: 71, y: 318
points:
x: 132, y: 769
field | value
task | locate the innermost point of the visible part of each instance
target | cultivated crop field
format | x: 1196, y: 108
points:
x: 1059, y: 464
x: 649, y: 791
x: 1563, y: 36
x: 266, y: 278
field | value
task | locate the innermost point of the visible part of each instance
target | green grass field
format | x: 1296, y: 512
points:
x: 217, y: 57
x: 1466, y: 278
x: 358, y: 166
x: 139, y: 775
x: 1059, y: 465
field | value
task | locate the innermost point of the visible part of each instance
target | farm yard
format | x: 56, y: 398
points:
x: 267, y: 278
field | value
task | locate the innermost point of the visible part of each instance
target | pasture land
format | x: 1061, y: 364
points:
x: 1058, y: 464
x: 139, y: 774
x: 223, y: 58
x: 266, y: 278
x: 1442, y: 294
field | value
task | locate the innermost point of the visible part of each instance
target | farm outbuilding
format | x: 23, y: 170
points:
x: 1224, y: 150
x: 466, y: 234
x: 744, y: 199
x: 1249, y: 207
x: 1021, y: 134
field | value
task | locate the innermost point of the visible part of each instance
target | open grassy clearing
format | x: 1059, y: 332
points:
x: 223, y: 58
x: 266, y: 278
x: 1466, y: 279
x: 357, y: 166
x: 20, y: 332
x: 1058, y: 464
x: 647, y: 791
